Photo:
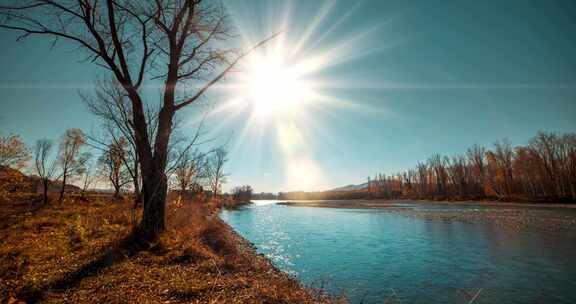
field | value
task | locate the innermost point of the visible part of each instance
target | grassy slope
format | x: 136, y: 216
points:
x: 81, y: 252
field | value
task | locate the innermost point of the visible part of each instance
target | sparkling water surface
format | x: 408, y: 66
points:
x: 377, y: 256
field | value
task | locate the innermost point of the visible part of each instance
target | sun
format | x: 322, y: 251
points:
x: 275, y: 85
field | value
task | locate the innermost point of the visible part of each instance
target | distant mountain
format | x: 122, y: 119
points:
x: 351, y: 187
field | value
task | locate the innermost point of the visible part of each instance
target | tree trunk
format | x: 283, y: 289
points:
x: 155, y: 190
x: 45, y: 190
x: 153, y: 160
x: 154, y: 180
x: 137, y: 190
x: 61, y: 198
x: 116, y: 192
x: 137, y: 196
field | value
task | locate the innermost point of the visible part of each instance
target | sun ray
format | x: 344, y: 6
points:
x: 285, y: 87
x: 312, y: 27
x: 326, y: 32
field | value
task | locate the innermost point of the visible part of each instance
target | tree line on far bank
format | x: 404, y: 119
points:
x: 542, y: 170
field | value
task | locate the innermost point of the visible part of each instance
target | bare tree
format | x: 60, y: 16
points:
x: 242, y: 193
x: 503, y: 155
x: 189, y: 169
x: 13, y: 152
x: 458, y: 174
x: 544, y: 169
x: 112, y: 166
x: 111, y: 104
x: 45, y: 167
x: 554, y: 156
x: 409, y: 180
x: 174, y: 41
x: 526, y: 172
x: 70, y: 158
x: 422, y: 170
x: 87, y: 178
x: 216, y: 174
x: 476, y: 159
x: 568, y: 161
x: 438, y: 169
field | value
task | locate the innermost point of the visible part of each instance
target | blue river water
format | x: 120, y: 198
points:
x: 376, y: 256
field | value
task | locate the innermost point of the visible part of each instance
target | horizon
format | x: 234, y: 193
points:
x: 387, y: 85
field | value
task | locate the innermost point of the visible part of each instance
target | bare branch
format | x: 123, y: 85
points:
x: 223, y: 73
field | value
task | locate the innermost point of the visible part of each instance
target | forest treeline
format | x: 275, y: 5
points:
x: 83, y: 163
x: 542, y: 170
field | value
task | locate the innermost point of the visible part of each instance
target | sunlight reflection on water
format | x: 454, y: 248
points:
x: 265, y: 202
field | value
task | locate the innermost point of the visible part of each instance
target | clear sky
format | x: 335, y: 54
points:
x: 392, y: 82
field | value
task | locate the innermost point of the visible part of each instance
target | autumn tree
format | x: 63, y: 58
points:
x: 438, y: 171
x: 216, y: 174
x: 13, y: 152
x: 44, y: 165
x: 459, y: 174
x: 190, y: 167
x: 422, y: 178
x: 70, y: 157
x: 504, y: 155
x: 87, y: 178
x: 554, y: 157
x: 476, y: 160
x: 409, y: 177
x: 111, y: 105
x: 112, y: 166
x: 527, y: 172
x: 545, y: 169
x: 176, y: 42
x: 568, y: 161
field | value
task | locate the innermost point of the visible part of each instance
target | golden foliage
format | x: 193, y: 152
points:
x: 13, y: 152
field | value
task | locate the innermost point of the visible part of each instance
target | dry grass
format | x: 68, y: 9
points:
x: 81, y: 252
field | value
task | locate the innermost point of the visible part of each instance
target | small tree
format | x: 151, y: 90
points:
x: 110, y: 103
x: 216, y: 174
x: 13, y: 152
x: 503, y: 156
x: 242, y: 193
x: 45, y: 167
x: 112, y: 166
x: 189, y: 169
x: 87, y: 178
x: 70, y: 158
x: 476, y: 159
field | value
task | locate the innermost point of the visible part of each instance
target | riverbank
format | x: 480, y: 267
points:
x: 515, y: 216
x: 81, y: 252
x: 386, y: 203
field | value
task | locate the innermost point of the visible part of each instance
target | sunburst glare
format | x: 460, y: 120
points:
x: 274, y: 85
x: 285, y: 87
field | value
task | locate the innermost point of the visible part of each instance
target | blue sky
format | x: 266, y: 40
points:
x: 417, y: 77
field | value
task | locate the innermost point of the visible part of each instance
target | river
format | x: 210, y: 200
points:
x: 379, y: 255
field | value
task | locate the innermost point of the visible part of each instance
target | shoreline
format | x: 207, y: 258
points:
x: 386, y: 203
x: 556, y: 218
x: 250, y: 249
